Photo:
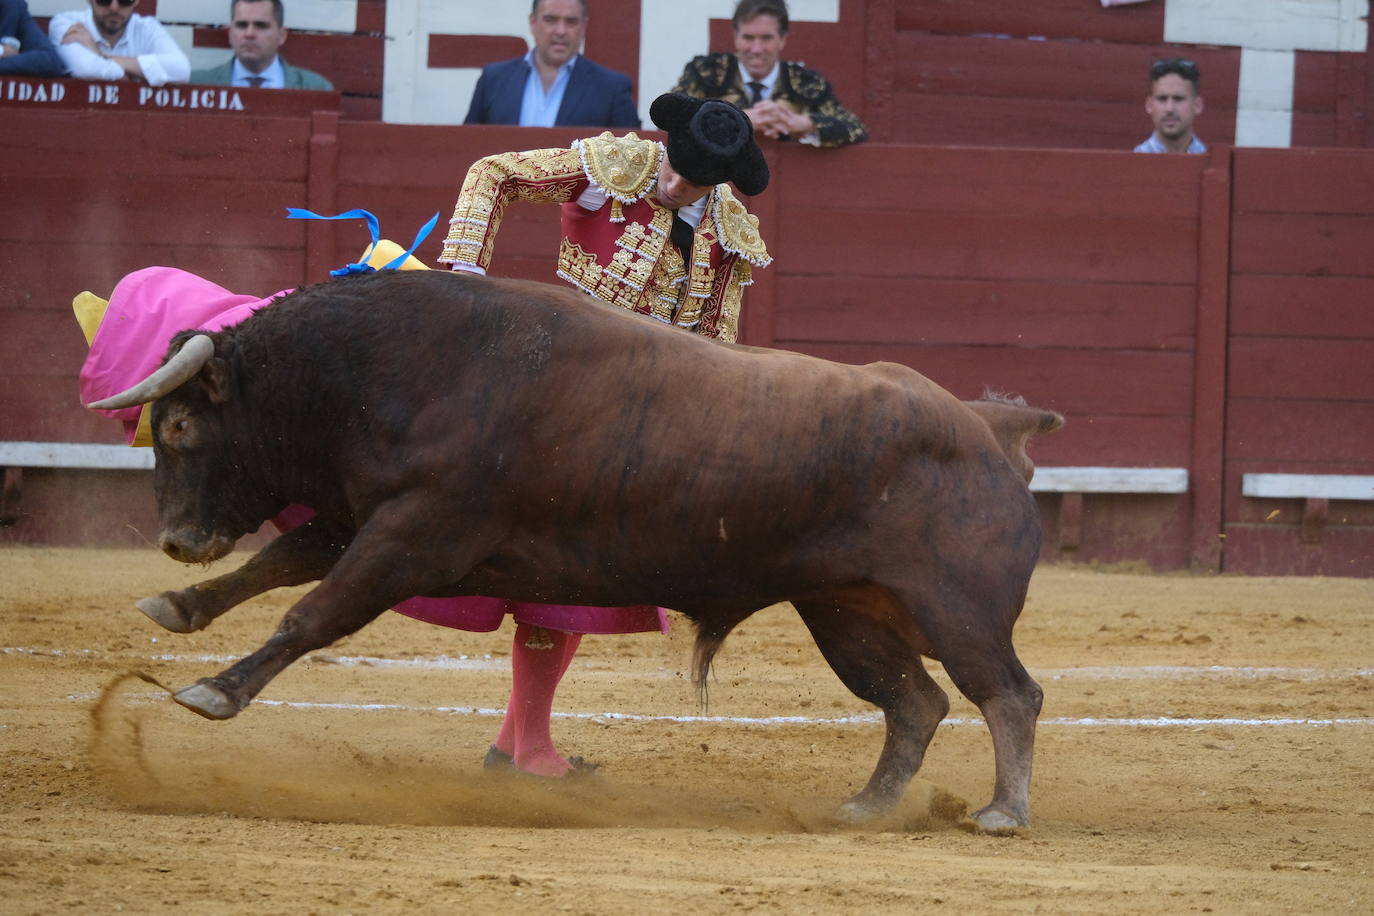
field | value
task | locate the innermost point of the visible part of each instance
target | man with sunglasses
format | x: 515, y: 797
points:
x: 108, y: 41
x: 1172, y: 104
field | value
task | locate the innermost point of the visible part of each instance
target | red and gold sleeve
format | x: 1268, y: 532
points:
x: 538, y: 176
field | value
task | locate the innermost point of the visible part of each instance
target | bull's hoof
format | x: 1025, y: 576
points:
x: 165, y: 614
x: 856, y: 813
x: 995, y: 822
x: 205, y: 699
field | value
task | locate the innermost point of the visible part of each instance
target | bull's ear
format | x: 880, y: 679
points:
x: 215, y: 375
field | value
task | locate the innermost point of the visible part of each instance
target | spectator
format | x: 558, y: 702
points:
x: 1172, y: 105
x: 256, y: 33
x: 553, y: 85
x: 109, y: 41
x: 783, y: 98
x: 652, y: 231
x: 24, y: 49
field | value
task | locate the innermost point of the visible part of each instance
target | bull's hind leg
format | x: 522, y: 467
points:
x: 877, y: 654
x: 970, y: 633
x: 301, y: 555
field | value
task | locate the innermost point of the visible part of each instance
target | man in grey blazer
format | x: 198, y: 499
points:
x: 255, y: 34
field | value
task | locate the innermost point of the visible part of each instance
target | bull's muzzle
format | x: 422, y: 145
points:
x: 194, y: 546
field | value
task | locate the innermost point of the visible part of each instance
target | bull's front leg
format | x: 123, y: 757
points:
x: 304, y: 554
x: 379, y: 569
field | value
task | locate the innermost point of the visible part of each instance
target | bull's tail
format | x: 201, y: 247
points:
x: 711, y: 633
x: 1013, y: 423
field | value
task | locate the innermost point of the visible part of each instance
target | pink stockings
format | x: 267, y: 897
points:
x: 535, y: 674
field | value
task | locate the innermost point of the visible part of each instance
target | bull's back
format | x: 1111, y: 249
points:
x: 654, y: 450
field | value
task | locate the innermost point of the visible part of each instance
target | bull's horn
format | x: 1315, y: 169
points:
x: 193, y: 354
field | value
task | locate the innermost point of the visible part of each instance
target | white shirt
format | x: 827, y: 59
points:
x: 767, y: 81
x: 1156, y: 145
x: 274, y: 77
x: 537, y: 107
x: 160, y: 57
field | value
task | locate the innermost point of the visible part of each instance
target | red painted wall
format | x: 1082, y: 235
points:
x: 1300, y: 382
x: 1182, y: 311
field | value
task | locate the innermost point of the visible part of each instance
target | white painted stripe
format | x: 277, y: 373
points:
x: 439, y: 662
x: 74, y: 455
x: 1305, y: 486
x: 1264, y: 107
x: 1307, y: 25
x: 1180, y: 672
x: 304, y: 15
x: 1109, y: 480
x: 489, y: 663
x: 860, y: 719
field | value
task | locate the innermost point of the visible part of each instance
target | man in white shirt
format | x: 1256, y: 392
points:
x: 1173, y: 104
x: 108, y: 41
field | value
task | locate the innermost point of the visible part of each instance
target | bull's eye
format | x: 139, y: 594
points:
x: 181, y: 425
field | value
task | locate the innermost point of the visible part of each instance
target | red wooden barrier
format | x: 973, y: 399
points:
x: 1197, y: 312
x: 1300, y: 389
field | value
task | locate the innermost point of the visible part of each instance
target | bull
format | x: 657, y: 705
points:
x: 463, y: 435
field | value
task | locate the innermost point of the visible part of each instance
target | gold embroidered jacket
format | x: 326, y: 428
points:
x: 717, y: 76
x: 622, y: 252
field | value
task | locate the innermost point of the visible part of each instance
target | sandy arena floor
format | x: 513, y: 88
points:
x: 1205, y: 746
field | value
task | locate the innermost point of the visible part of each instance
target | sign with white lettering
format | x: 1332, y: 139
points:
x: 42, y: 92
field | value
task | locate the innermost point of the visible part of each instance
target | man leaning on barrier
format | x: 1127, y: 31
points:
x: 107, y: 40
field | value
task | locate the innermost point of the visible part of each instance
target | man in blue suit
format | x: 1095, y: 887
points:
x: 553, y: 85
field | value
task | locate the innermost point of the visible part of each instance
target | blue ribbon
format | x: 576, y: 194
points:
x: 420, y: 236
x: 374, y: 227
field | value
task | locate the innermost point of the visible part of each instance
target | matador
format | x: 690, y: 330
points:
x: 651, y: 227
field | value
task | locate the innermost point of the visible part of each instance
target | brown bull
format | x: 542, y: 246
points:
x: 461, y: 435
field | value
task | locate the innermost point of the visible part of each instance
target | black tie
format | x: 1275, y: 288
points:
x: 681, y: 235
x: 756, y: 93
x: 255, y: 82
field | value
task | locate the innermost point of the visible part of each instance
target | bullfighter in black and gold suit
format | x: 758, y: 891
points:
x: 783, y: 98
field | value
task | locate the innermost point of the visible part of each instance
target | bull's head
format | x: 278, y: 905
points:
x: 205, y: 500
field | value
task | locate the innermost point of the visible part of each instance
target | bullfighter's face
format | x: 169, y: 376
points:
x: 674, y: 191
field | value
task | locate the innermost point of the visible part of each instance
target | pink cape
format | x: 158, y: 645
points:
x: 148, y: 307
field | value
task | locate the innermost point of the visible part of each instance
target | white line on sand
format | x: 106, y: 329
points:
x: 489, y: 663
x: 478, y: 663
x: 862, y: 718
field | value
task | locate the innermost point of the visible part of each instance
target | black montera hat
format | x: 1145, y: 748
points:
x: 710, y: 141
